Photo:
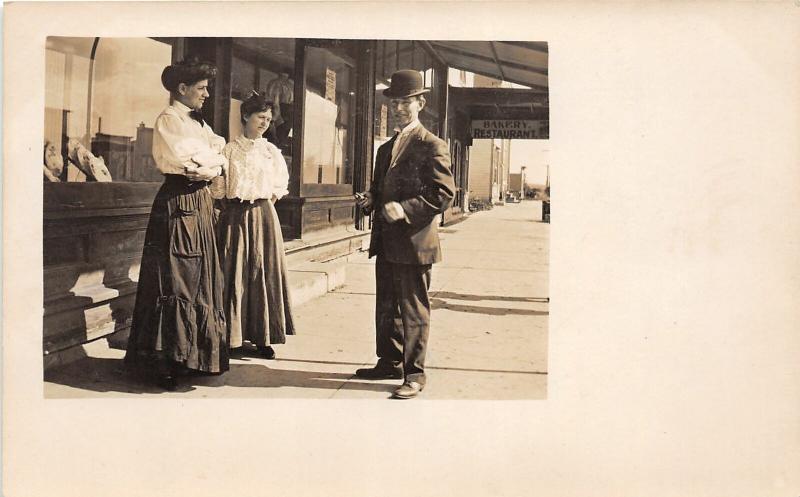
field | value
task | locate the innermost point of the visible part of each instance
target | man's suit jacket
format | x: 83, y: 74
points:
x: 421, y: 181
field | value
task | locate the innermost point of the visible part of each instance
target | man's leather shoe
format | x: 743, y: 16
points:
x: 408, y: 390
x: 380, y: 373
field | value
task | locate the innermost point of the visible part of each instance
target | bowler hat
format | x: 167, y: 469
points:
x: 406, y: 83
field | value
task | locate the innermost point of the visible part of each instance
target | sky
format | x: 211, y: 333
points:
x: 533, y: 154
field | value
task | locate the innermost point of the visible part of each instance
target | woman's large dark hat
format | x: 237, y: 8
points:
x: 406, y: 83
x: 188, y: 71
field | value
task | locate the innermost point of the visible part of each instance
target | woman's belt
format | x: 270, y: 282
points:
x: 242, y: 201
x: 182, y: 182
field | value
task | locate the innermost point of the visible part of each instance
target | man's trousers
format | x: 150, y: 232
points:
x: 402, y: 316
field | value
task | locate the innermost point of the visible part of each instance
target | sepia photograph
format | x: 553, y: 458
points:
x: 307, y: 249
x: 295, y: 217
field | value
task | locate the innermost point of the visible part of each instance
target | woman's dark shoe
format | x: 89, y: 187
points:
x: 168, y: 383
x: 266, y: 352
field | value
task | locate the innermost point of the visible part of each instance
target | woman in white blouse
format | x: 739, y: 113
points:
x: 257, y: 304
x: 178, y: 322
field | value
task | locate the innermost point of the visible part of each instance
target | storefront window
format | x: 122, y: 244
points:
x: 391, y: 55
x: 329, y: 115
x: 102, y: 96
x: 265, y: 65
x: 243, y: 78
x: 424, y: 64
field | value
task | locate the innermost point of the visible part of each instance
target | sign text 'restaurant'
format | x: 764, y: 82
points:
x: 505, y: 128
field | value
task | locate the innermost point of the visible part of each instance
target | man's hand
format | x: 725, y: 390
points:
x: 201, y: 173
x: 393, y: 212
x: 364, y: 200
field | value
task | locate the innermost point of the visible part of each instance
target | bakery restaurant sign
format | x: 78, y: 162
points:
x: 505, y: 128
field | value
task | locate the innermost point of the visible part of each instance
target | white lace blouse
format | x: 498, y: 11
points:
x: 179, y: 140
x: 256, y: 170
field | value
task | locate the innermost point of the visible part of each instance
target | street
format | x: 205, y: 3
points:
x: 488, y: 329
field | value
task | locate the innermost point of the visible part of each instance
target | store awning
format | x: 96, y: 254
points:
x: 520, y: 62
x: 513, y: 113
x: 499, y: 112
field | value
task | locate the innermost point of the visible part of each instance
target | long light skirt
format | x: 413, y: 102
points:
x: 256, y: 293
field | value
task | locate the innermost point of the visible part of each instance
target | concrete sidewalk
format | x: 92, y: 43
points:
x: 488, y: 334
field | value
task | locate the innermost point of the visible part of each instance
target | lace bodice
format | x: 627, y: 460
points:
x: 256, y: 169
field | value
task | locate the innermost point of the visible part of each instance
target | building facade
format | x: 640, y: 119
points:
x: 516, y: 183
x: 490, y: 158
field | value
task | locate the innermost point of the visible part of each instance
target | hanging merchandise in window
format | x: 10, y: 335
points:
x: 281, y: 91
x: 265, y: 65
x: 101, y: 100
x: 53, y: 162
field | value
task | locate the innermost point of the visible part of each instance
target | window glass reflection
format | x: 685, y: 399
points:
x: 390, y: 56
x: 102, y: 106
x: 329, y: 116
x: 265, y: 65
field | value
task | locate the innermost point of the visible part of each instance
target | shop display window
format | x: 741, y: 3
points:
x: 102, y: 96
x: 265, y: 65
x: 329, y: 115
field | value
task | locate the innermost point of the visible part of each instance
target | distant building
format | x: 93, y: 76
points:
x: 516, y: 183
x: 144, y: 165
x: 489, y: 159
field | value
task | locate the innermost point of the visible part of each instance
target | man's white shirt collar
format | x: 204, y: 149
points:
x: 411, y: 126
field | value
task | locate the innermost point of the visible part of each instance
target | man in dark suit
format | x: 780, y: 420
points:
x: 411, y: 186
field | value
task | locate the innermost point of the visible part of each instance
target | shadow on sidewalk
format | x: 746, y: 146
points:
x: 437, y: 368
x: 491, y: 311
x: 256, y: 375
x: 474, y: 298
x: 110, y: 375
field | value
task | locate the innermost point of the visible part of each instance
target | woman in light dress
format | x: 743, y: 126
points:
x: 256, y: 293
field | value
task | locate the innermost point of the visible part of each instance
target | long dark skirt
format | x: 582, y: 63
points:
x: 178, y: 319
x: 257, y: 303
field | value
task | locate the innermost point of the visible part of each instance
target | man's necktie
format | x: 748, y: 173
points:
x: 397, y: 147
